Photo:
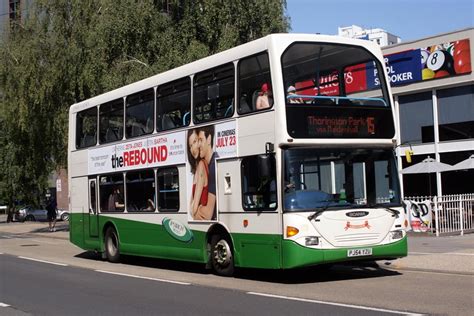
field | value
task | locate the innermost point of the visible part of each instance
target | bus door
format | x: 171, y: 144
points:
x: 93, y: 214
x: 247, y: 203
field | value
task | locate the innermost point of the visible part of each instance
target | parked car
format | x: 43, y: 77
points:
x: 29, y: 213
x: 62, y: 215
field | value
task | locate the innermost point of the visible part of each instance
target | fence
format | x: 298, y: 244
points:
x: 453, y: 214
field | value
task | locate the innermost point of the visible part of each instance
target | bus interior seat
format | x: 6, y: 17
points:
x: 243, y: 105
x: 322, y: 101
x: 137, y: 130
x: 110, y: 135
x: 167, y: 122
x: 343, y: 101
x: 228, y: 111
x: 88, y: 140
x: 186, y: 119
x: 150, y: 125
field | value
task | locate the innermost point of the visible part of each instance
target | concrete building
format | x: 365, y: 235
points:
x: 380, y: 36
x: 433, y: 87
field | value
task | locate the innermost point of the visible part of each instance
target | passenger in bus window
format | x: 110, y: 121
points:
x: 206, y: 152
x: 265, y: 98
x: 292, y: 95
x: 199, y: 171
x: 116, y: 201
x: 150, y: 205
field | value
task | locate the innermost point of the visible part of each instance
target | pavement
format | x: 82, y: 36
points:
x: 447, y: 254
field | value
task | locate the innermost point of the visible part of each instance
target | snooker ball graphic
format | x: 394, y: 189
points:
x: 440, y: 60
x: 427, y: 73
x: 462, y: 57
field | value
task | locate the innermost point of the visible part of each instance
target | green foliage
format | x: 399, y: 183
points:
x: 67, y: 51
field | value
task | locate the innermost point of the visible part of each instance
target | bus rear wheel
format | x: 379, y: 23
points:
x: 222, y: 257
x: 112, y: 245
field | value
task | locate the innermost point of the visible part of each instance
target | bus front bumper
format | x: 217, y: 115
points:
x: 295, y: 255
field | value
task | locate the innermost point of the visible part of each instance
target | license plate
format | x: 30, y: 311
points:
x: 359, y: 252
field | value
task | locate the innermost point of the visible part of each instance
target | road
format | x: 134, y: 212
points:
x: 143, y: 286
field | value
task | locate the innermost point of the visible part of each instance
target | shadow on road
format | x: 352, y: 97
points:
x: 317, y: 274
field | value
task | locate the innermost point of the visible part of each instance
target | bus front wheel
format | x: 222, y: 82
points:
x: 222, y: 258
x: 112, y: 245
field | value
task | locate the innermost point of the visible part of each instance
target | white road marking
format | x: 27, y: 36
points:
x: 43, y: 261
x: 4, y: 305
x: 451, y: 274
x: 442, y: 253
x: 334, y: 304
x: 142, y: 277
x: 7, y: 237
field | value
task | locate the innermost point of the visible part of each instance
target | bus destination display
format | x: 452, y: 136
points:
x: 347, y: 122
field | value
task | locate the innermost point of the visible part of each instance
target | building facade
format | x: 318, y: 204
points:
x: 433, y: 87
x: 377, y: 35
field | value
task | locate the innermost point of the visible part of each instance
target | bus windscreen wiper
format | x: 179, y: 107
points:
x: 319, y: 210
x: 391, y: 210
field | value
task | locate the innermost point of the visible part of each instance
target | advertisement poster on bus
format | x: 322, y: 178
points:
x: 204, y: 145
x: 419, y: 215
x: 144, y: 153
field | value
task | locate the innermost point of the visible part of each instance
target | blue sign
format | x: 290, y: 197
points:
x: 402, y: 68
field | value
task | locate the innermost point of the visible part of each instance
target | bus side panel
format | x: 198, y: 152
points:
x: 78, y: 203
x: 257, y: 250
x: 149, y: 238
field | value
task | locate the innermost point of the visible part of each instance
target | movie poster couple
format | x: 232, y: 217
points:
x: 202, y: 160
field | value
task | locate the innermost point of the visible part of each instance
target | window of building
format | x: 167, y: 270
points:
x: 111, y: 121
x: 214, y: 94
x: 173, y: 104
x: 168, y: 189
x: 423, y: 184
x: 457, y: 182
x: 86, y: 128
x: 141, y: 195
x: 253, y: 73
x: 140, y: 113
x: 111, y: 192
x: 456, y: 113
x: 416, y: 118
x: 259, y: 183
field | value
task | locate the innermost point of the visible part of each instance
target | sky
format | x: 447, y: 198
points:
x: 408, y: 19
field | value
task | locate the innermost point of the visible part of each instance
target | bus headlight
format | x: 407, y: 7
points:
x: 397, y: 234
x: 312, y: 241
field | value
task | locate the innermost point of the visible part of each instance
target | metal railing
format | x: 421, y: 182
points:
x: 452, y: 214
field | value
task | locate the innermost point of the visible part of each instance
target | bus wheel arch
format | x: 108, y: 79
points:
x: 221, y: 251
x: 111, y: 243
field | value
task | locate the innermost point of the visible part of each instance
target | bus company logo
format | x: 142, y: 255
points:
x: 357, y: 214
x: 177, y: 230
x: 357, y: 226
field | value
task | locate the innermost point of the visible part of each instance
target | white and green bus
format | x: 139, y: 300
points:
x: 275, y: 154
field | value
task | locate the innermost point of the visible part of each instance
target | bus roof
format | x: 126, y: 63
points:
x: 230, y: 55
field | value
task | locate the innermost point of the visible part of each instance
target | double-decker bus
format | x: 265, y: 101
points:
x: 275, y: 154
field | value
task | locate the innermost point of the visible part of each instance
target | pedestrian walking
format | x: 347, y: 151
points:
x: 51, y: 208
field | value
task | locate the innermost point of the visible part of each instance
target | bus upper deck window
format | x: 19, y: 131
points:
x: 86, y: 128
x: 254, y: 76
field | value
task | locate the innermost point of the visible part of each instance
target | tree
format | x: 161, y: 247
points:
x: 66, y: 51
